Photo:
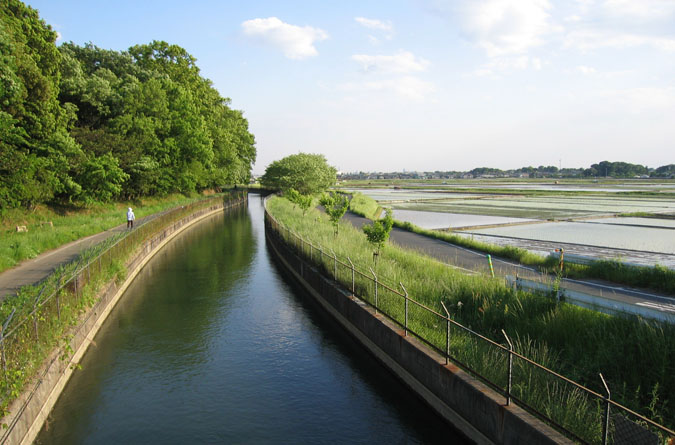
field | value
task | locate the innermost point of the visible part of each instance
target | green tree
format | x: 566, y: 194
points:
x: 35, y: 140
x: 665, y: 171
x: 307, y: 173
x: 302, y: 201
x: 377, y: 233
x: 102, y: 178
x: 336, y: 205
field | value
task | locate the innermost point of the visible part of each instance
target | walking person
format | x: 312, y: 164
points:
x: 130, y: 218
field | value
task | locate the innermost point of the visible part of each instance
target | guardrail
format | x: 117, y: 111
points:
x: 587, y: 260
x: 581, y: 413
x: 594, y: 302
x: 35, y: 322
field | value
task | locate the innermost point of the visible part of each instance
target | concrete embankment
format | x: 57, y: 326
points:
x: 469, y: 405
x: 30, y: 410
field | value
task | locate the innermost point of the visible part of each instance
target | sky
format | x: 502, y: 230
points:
x: 420, y: 85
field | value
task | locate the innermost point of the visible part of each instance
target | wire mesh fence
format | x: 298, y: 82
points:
x: 35, y: 320
x: 580, y: 413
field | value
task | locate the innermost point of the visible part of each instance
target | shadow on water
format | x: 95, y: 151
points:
x: 211, y: 344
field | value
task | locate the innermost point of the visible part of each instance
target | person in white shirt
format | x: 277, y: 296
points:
x: 130, y: 218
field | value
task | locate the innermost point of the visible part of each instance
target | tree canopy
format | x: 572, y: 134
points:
x: 80, y: 123
x: 306, y: 173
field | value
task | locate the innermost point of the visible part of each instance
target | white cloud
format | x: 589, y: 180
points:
x: 294, y: 41
x: 586, y: 70
x: 506, y: 27
x: 645, y: 10
x: 375, y: 24
x: 401, y: 62
x: 409, y: 87
x: 589, y: 40
x: 640, y: 100
x: 499, y: 65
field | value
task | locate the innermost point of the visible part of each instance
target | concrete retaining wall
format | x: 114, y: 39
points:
x: 28, y: 413
x: 469, y: 405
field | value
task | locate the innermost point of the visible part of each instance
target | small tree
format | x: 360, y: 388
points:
x: 304, y: 201
x: 336, y: 206
x: 378, y: 233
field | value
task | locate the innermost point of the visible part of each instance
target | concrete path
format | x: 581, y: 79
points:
x: 37, y: 269
x: 476, y: 262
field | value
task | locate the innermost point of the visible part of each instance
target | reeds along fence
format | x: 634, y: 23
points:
x: 35, y: 320
x: 580, y: 413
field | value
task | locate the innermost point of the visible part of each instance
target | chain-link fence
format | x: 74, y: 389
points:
x: 36, y: 319
x: 580, y: 413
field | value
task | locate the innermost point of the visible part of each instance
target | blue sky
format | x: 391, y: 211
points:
x: 421, y: 84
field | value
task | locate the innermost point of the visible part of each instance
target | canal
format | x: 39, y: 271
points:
x: 211, y: 344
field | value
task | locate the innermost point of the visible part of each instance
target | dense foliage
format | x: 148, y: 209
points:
x: 306, y: 173
x: 83, y: 124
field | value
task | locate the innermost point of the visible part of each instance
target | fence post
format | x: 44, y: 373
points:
x: 447, y: 334
x: 35, y: 304
x: 334, y: 265
x: 3, y: 328
x: 310, y: 252
x: 605, y: 423
x: 352, y: 265
x: 374, y: 276
x: 492, y: 270
x: 405, y: 296
x: 510, y: 370
x: 562, y: 258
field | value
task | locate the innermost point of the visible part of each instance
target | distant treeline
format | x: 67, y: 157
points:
x: 602, y: 169
x: 83, y: 124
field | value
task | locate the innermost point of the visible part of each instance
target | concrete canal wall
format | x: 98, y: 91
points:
x: 473, y: 408
x: 29, y: 412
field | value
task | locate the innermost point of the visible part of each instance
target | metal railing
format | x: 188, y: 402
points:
x: 34, y: 325
x: 580, y: 413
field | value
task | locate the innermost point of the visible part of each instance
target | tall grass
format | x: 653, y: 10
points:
x: 658, y: 277
x: 69, y: 224
x: 637, y: 357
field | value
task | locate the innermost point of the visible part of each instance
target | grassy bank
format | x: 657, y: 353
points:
x: 636, y: 356
x: 658, y: 278
x: 69, y: 224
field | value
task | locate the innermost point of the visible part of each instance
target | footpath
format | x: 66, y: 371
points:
x: 37, y: 269
x: 471, y: 261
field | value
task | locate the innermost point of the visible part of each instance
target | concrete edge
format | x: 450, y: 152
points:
x: 77, y: 356
x: 429, y: 397
x: 56, y: 372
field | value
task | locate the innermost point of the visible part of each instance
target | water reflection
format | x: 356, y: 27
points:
x: 210, y: 344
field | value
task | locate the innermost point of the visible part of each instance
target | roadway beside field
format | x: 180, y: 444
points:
x: 476, y: 262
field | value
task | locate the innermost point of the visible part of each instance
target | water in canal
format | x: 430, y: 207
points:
x: 212, y: 345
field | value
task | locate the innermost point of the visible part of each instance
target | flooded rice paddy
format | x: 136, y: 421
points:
x: 648, y: 239
x: 584, y: 220
x: 443, y: 220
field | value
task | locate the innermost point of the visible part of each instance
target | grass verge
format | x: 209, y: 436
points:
x: 69, y: 224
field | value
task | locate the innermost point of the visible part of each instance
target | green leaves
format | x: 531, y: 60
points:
x: 336, y: 205
x: 87, y: 124
x: 378, y: 232
x: 307, y: 173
